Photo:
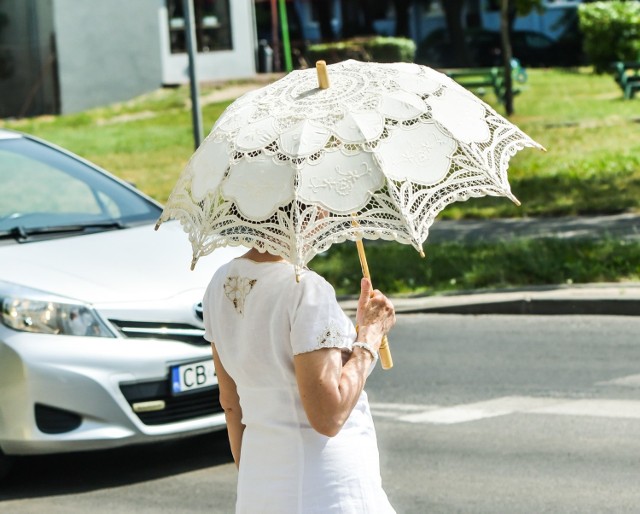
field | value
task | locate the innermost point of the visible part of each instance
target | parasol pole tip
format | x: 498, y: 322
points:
x: 514, y: 199
x: 157, y: 225
x: 421, y: 252
x: 323, y: 75
x: 385, y: 354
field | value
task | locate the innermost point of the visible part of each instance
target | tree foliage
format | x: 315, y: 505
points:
x: 524, y: 7
x: 377, y: 48
x: 611, y: 32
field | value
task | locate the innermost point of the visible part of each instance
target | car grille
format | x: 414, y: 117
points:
x: 169, y: 408
x: 174, y: 331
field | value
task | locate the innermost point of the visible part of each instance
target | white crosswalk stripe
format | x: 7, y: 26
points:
x: 628, y: 381
x: 397, y: 410
x: 433, y: 414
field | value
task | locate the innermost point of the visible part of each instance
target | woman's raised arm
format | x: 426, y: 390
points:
x: 330, y: 385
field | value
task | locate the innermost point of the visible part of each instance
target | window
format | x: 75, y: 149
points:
x: 40, y: 186
x: 29, y: 186
x: 212, y: 21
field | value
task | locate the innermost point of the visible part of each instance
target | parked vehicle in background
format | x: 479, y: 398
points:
x: 100, y: 317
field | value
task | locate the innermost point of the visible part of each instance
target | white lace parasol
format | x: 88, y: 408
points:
x: 292, y: 168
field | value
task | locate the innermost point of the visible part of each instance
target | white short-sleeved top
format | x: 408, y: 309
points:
x: 259, y: 318
x: 251, y: 298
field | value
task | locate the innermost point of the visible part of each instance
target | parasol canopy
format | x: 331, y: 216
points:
x: 367, y: 150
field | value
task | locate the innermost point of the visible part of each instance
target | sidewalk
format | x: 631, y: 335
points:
x: 619, y: 299
x: 619, y: 226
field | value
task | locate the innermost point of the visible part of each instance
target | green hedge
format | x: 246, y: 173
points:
x: 397, y: 268
x: 376, y: 49
x: 611, y: 32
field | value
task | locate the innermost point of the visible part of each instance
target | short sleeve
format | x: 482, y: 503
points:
x: 317, y: 321
x: 206, y: 316
x: 208, y: 302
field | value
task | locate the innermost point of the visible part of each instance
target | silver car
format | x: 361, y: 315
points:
x: 100, y: 317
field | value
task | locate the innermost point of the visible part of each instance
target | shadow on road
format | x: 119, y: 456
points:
x: 47, y: 475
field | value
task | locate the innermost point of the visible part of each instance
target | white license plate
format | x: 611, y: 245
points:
x: 194, y: 375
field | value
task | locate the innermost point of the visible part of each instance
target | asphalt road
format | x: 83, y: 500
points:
x: 488, y: 414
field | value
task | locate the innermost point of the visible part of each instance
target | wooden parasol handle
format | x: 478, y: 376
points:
x: 385, y: 353
x: 323, y: 76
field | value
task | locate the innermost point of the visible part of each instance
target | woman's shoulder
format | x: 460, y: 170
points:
x: 280, y: 275
x: 309, y: 278
x: 222, y: 271
x: 310, y: 287
x: 219, y: 277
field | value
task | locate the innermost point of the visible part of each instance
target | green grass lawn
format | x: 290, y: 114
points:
x: 592, y: 166
x: 591, y: 133
x: 592, y: 136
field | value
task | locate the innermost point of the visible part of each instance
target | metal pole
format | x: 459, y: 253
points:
x: 286, y: 45
x: 507, y: 55
x: 275, y: 37
x: 190, y: 39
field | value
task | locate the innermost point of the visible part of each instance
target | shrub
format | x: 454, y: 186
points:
x: 391, y: 49
x: 449, y: 266
x: 611, y: 32
x: 377, y: 49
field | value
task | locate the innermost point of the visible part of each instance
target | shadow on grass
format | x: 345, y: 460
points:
x: 72, y: 473
x: 558, y: 195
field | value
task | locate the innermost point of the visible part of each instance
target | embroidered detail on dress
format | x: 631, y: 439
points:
x: 237, y: 289
x: 332, y: 337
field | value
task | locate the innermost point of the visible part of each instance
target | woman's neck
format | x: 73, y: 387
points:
x: 257, y: 256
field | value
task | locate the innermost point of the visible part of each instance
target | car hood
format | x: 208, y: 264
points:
x: 129, y: 265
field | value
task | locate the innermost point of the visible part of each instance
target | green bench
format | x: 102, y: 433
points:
x: 627, y: 75
x: 478, y: 80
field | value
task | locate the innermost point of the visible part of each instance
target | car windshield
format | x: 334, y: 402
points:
x: 46, y: 193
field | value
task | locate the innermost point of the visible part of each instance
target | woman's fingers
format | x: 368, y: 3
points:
x: 375, y: 308
x: 365, y: 291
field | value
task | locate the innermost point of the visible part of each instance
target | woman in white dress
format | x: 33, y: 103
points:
x: 291, y: 371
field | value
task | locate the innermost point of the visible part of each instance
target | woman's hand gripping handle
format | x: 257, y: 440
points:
x: 374, y: 318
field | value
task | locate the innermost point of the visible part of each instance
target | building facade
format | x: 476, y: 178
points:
x: 64, y: 56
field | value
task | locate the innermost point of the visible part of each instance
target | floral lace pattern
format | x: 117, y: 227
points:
x: 236, y: 289
x: 288, y: 168
x: 332, y: 336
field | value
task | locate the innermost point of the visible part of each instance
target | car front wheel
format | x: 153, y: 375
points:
x: 5, y: 464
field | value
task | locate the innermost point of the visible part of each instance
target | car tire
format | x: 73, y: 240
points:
x: 5, y: 464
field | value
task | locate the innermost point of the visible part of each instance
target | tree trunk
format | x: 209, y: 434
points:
x: 357, y: 18
x: 402, y: 18
x: 507, y: 54
x: 453, y: 14
x: 348, y: 12
x: 325, y: 14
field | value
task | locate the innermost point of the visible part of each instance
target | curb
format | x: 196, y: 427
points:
x: 590, y: 299
x: 539, y: 307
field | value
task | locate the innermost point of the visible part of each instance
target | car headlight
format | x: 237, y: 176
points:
x: 29, y: 310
